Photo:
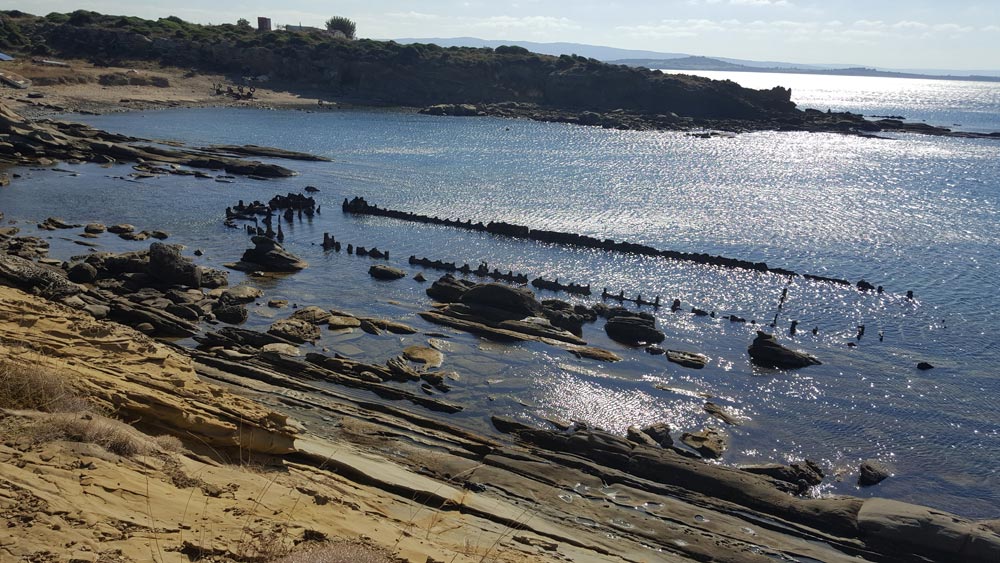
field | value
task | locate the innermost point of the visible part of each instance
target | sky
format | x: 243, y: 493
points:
x: 918, y: 34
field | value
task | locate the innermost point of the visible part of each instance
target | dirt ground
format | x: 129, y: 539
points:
x: 82, y: 87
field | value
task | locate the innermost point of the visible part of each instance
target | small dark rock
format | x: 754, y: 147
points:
x: 924, y: 366
x: 872, y: 472
x: 381, y: 272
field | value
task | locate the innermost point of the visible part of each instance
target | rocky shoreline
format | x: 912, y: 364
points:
x: 373, y: 441
x: 571, y: 491
x: 808, y: 120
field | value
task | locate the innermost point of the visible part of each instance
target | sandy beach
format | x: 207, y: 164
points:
x: 79, y: 87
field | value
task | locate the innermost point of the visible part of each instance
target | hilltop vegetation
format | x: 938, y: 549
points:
x: 385, y: 71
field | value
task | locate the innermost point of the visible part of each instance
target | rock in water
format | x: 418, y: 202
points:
x: 633, y: 330
x: 514, y: 303
x: 872, y: 473
x: 269, y: 256
x: 423, y: 355
x: 709, y: 443
x: 168, y: 266
x: 765, y: 351
x: 296, y: 330
x: 312, y: 314
x: 448, y: 289
x: 660, y: 432
x: 381, y: 272
x: 687, y: 359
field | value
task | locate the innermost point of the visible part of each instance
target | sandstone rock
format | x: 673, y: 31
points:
x: 507, y: 302
x: 635, y: 434
x: 633, y: 330
x: 367, y: 326
x: 687, y: 359
x: 594, y: 353
x: 448, y: 289
x: 940, y: 536
x: 48, y: 282
x: 720, y: 413
x: 53, y: 223
x: 277, y: 303
x: 212, y: 278
x: 268, y: 256
x: 240, y: 294
x: 167, y: 266
x: 296, y: 330
x: 710, y: 442
x: 765, y: 351
x: 231, y: 313
x: 121, y: 229
x: 94, y: 228
x: 312, y: 314
x: 382, y: 272
x: 806, y: 471
x: 423, y: 355
x: 97, y: 311
x: 660, y: 433
x: 281, y: 348
x: 872, y: 472
x: 391, y: 326
x: 82, y: 272
x: 336, y: 322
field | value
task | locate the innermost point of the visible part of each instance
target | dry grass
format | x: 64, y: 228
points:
x: 25, y: 387
x: 67, y: 415
x: 112, y: 435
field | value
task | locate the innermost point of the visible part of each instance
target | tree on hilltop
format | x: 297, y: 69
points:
x: 343, y: 25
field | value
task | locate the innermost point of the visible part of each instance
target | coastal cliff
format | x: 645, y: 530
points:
x: 390, y: 73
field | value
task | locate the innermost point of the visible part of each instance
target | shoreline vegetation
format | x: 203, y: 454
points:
x: 118, y: 444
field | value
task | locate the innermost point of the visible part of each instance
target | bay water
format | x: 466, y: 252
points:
x: 909, y: 213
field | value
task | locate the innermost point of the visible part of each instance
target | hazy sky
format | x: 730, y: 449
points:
x: 954, y: 34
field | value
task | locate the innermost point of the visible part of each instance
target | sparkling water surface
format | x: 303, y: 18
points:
x: 911, y: 213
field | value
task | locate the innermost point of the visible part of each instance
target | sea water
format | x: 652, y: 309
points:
x: 909, y: 213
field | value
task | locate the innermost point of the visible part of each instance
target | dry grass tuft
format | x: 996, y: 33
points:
x: 25, y: 387
x: 340, y: 552
x: 114, y: 436
x: 168, y: 443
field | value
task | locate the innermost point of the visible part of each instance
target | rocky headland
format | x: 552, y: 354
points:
x: 324, y: 71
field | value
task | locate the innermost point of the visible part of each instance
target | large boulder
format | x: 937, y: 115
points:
x: 269, y: 256
x: 502, y: 302
x: 167, y: 266
x: 765, y: 351
x: 633, y: 330
x: 449, y: 289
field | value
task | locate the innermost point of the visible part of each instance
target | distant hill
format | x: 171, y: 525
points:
x: 685, y: 61
x: 590, y: 51
x: 707, y: 63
